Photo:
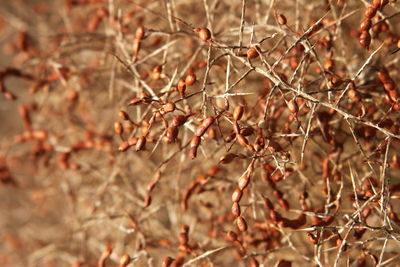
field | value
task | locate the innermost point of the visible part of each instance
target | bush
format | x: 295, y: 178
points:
x: 199, y: 133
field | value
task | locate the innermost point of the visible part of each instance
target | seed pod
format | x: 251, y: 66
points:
x: 227, y: 158
x: 118, y: 128
x: 284, y: 204
x: 284, y: 263
x: 242, y: 140
x: 178, y: 261
x: 124, y: 261
x: 259, y: 143
x: 389, y: 85
x: 236, y: 195
x: 251, y: 53
x: 151, y: 186
x: 181, y: 87
x: 354, y: 95
x: 171, y: 134
x: 365, y: 39
x: 202, y: 128
x: 236, y: 209
x: 102, y: 12
x: 281, y: 19
x: 294, y: 63
x: 277, y: 177
x: 147, y: 200
x: 141, y: 143
x: 168, y: 107
x: 238, y: 113
x: 243, y: 182
x: 334, y: 82
x: 312, y: 238
x: 376, y: 29
x: 367, y: 211
x: 212, y: 133
x: 190, y: 79
x: 229, y: 138
x: 394, y: 96
x: 156, y: 75
x: 274, y: 146
x: 277, y: 193
x: 370, y: 12
x: 183, y: 238
x: 379, y: 3
x: 123, y: 146
x: 128, y: 16
x: 293, y: 107
x: 139, y: 33
x: 241, y: 224
x: 329, y: 63
x: 21, y: 41
x: 166, y: 262
x: 195, y: 141
x: 204, y: 34
x: 25, y: 116
x: 384, y: 27
x: 133, y: 141
x: 365, y: 25
x: 232, y: 236
x: 136, y: 101
x: 146, y: 99
x: 268, y: 204
x: 123, y: 115
x: 254, y: 263
x: 383, y: 75
x: 194, y: 144
x: 23, y: 112
x: 106, y: 253
x: 40, y: 135
x: 179, y: 120
x: 135, y: 48
x: 185, y: 228
x: 213, y: 171
x: 10, y: 96
x: 337, y: 176
x: 93, y: 23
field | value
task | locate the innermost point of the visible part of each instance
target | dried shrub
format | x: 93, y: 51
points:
x: 148, y: 133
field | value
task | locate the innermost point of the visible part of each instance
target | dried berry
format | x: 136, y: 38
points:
x: 190, y: 79
x: 281, y: 19
x: 251, y: 53
x: 241, y: 224
x: 204, y: 34
x: 365, y: 39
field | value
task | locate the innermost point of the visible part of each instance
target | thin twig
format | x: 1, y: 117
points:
x: 358, y: 74
x: 204, y: 255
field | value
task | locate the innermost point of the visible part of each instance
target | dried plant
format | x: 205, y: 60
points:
x: 199, y: 133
